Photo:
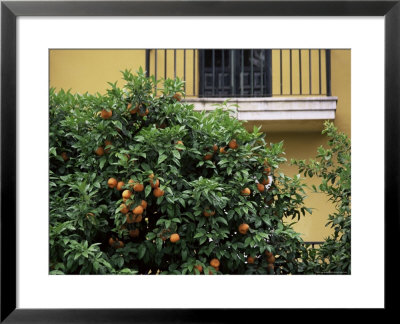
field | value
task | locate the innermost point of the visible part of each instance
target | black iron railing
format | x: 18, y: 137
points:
x: 245, y: 72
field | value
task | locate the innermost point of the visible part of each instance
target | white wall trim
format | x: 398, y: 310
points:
x: 274, y: 108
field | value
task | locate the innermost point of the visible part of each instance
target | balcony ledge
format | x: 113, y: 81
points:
x: 274, y: 108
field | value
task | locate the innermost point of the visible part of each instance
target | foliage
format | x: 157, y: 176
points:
x: 156, y: 136
x: 333, y: 166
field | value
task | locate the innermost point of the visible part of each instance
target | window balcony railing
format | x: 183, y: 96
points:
x: 225, y: 73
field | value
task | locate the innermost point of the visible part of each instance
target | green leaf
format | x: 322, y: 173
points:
x: 161, y: 158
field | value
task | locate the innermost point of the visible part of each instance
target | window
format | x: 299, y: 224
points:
x: 235, y: 73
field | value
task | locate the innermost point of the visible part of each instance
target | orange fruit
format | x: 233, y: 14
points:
x: 124, y: 209
x: 157, y: 192
x: 151, y: 176
x: 215, y: 263
x: 260, y: 187
x: 105, y: 114
x: 120, y: 185
x: 134, y: 232
x: 265, y: 181
x: 142, y: 114
x: 111, y: 241
x: 99, y: 151
x: 174, y: 238
x: 267, y: 170
x: 271, y: 259
x: 154, y: 184
x: 215, y: 147
x: 107, y: 143
x: 64, y: 156
x: 245, y: 192
x: 233, y: 145
x: 222, y: 150
x: 138, y: 187
x: 181, y: 143
x: 120, y: 244
x: 268, y: 254
x: 132, y: 111
x: 199, y: 267
x: 138, y: 218
x: 138, y: 210
x: 208, y: 213
x: 207, y: 157
x: 250, y: 260
x: 243, y: 228
x: 130, y: 218
x: 178, y: 96
x: 112, y: 182
x: 126, y: 194
x: 143, y: 204
x: 131, y: 183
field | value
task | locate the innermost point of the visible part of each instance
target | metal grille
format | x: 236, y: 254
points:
x: 245, y: 72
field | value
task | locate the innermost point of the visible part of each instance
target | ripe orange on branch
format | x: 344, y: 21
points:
x: 106, y: 114
x: 138, y: 187
x: 126, y: 194
x: 134, y: 232
x: 99, y: 151
x: 124, y: 209
x: 157, y: 192
x: 138, y: 210
x: 207, y: 157
x: 233, y: 145
x: 155, y: 184
x: 250, y: 260
x: 243, y: 228
x: 245, y: 192
x: 260, y: 187
x: 215, y: 263
x: 174, y: 238
x: 120, y: 185
x: 208, y: 213
x: 112, y: 183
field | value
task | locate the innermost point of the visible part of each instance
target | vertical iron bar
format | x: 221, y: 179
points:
x: 268, y: 72
x: 262, y: 71
x: 213, y: 72
x: 184, y: 69
x: 242, y: 73
x: 147, y: 63
x: 328, y: 72
x: 300, y: 78
x: 290, y: 72
x: 319, y: 67
x: 280, y: 62
x: 309, y: 71
x: 251, y: 72
x: 174, y: 63
x: 194, y: 73
x: 165, y: 64
x: 233, y: 63
x: 155, y: 70
x: 223, y: 72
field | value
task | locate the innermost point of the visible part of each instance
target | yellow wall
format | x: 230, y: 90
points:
x: 90, y: 70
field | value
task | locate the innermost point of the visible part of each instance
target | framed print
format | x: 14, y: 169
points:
x: 98, y: 175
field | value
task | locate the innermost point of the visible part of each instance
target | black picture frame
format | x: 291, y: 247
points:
x: 10, y: 10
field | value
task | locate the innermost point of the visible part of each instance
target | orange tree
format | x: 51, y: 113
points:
x: 142, y: 183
